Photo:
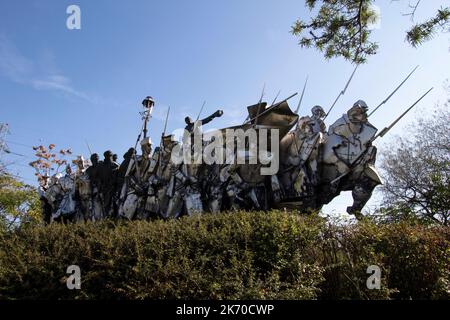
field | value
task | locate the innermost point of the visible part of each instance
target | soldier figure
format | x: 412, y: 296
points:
x: 107, y: 177
x: 97, y: 210
x: 53, y: 194
x: 214, y: 187
x: 317, y: 123
x: 237, y: 189
x: 191, y: 126
x: 300, y: 165
x: 144, y: 164
x: 152, y: 203
x: 115, y: 157
x: 67, y: 206
x: 349, y: 136
x: 348, y: 153
x: 122, y: 171
x: 134, y: 190
x: 83, y: 191
x: 45, y: 204
x: 168, y: 180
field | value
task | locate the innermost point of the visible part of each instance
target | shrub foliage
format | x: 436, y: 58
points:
x: 254, y: 255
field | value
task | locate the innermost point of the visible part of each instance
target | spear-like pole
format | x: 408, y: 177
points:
x: 259, y: 103
x: 385, y: 130
x: 89, y: 148
x: 161, y: 142
x: 275, y: 99
x: 393, y: 92
x: 165, y: 123
x: 301, y: 97
x: 200, y: 112
x: 342, y: 92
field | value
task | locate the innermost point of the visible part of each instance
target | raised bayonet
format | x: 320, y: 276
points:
x: 167, y: 118
x: 385, y: 130
x: 275, y: 99
x: 393, y: 92
x: 301, y: 97
x: 259, y: 103
x: 89, y: 148
x: 342, y: 92
x: 200, y: 112
x: 161, y: 143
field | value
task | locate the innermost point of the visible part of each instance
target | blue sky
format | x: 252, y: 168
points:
x: 66, y: 86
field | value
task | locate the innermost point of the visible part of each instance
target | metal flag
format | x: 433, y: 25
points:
x: 269, y: 109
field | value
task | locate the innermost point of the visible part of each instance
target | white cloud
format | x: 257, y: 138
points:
x: 16, y: 67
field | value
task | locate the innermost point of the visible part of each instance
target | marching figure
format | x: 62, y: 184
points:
x: 66, y: 208
x: 45, y: 204
x: 93, y: 172
x: 134, y: 189
x: 192, y: 125
x: 318, y: 114
x: 54, y: 194
x: 299, y: 167
x: 348, y: 158
x: 107, y: 178
x: 83, y: 190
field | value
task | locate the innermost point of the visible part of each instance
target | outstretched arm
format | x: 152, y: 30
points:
x: 216, y: 114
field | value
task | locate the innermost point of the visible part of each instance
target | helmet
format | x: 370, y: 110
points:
x: 146, y: 141
x: 169, y: 140
x: 361, y: 104
x: 318, y: 110
x: 108, y: 154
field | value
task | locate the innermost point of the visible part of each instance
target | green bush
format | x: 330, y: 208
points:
x: 253, y: 255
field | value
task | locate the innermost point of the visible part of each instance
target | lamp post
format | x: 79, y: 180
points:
x: 148, y: 104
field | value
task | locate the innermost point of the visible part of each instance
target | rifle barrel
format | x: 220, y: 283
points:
x: 342, y: 92
x: 385, y: 130
x: 201, y: 109
x: 301, y: 97
x: 393, y: 92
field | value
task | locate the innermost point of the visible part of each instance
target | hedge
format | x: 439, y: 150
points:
x: 243, y: 255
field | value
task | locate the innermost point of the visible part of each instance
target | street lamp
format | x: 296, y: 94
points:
x: 148, y: 104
